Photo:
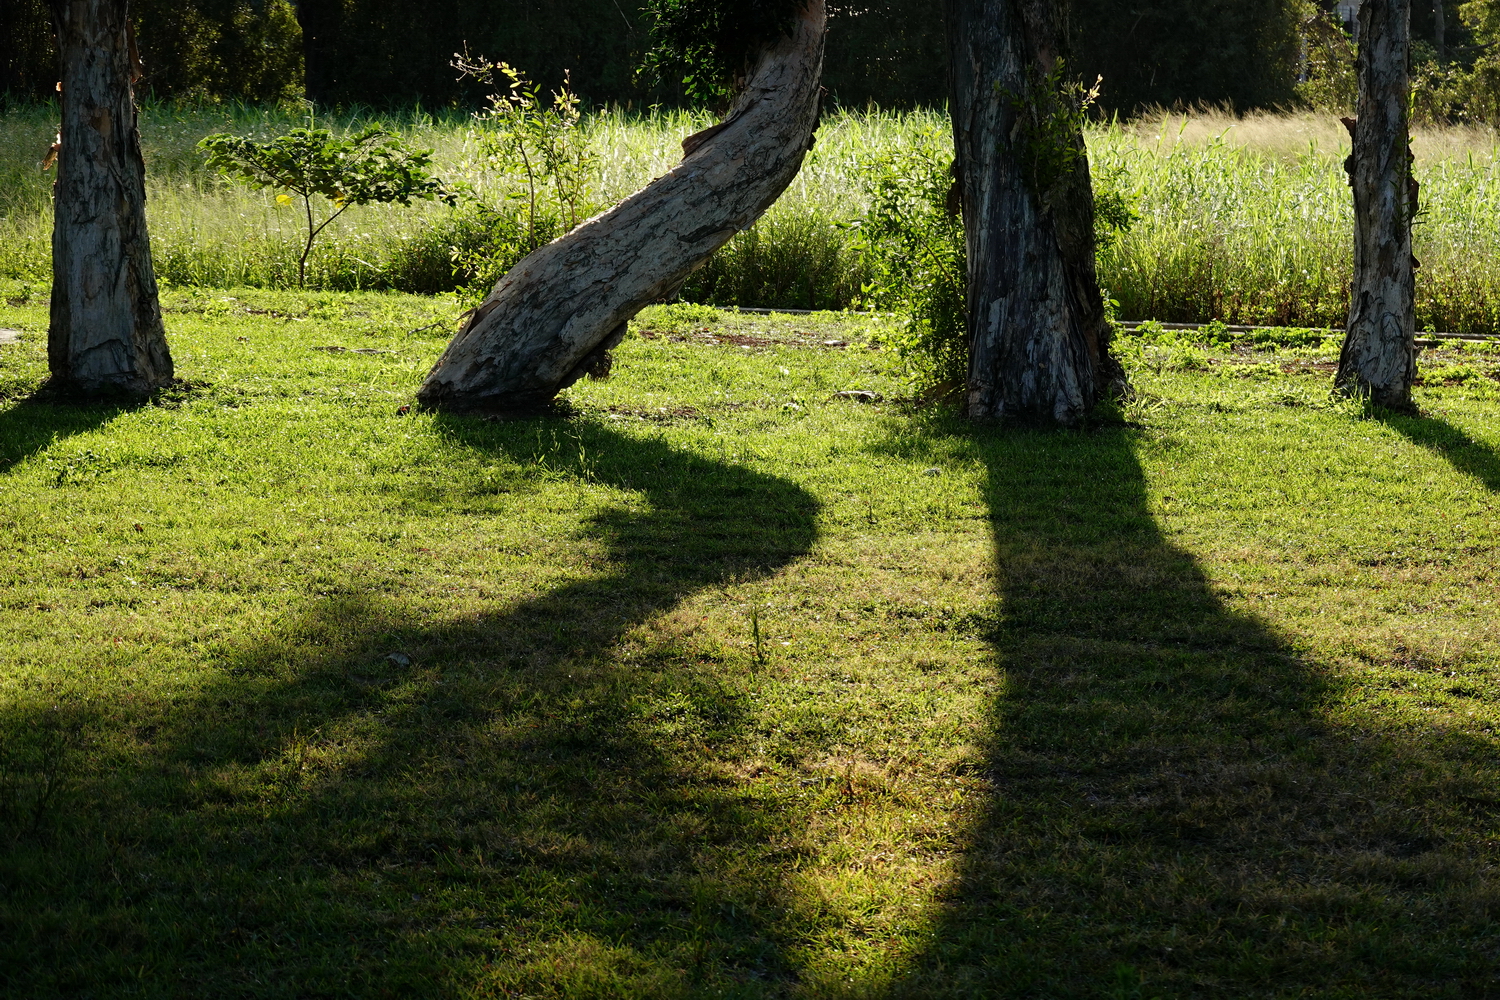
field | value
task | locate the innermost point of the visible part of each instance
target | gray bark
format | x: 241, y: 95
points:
x: 1439, y: 31
x: 106, y: 330
x: 1038, y: 342
x: 1379, y: 356
x: 554, y: 316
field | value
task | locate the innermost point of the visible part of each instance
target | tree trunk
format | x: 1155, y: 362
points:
x: 556, y: 314
x: 1038, y: 342
x: 1379, y: 357
x: 321, y: 22
x: 1439, y: 31
x: 106, y: 332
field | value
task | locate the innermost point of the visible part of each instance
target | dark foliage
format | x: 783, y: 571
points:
x: 28, y: 60
x: 388, y: 52
x: 1237, y: 52
x: 886, y: 52
x: 889, y: 52
x: 710, y: 42
x: 247, y: 50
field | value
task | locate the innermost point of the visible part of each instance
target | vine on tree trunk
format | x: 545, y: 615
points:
x: 1050, y: 115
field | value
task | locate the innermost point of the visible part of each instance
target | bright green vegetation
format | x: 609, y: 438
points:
x: 716, y: 684
x: 1247, y: 220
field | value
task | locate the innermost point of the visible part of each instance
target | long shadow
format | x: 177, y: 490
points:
x: 1473, y: 458
x: 30, y: 425
x: 1169, y: 811
x: 522, y: 801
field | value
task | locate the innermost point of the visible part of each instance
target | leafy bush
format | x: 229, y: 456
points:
x: 371, y: 167
x: 484, y: 242
x: 914, y: 248
x: 1294, y: 337
x: 793, y: 259
x: 538, y: 144
x: 1050, y: 116
x: 536, y: 140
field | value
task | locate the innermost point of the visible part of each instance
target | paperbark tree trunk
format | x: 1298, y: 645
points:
x: 557, y: 313
x: 106, y: 330
x: 1038, y: 342
x: 1379, y: 356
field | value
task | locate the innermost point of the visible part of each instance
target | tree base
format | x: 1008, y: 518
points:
x: 554, y: 316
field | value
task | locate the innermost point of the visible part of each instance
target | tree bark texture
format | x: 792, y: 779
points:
x: 1038, y: 341
x: 106, y: 329
x: 1379, y: 356
x: 554, y: 316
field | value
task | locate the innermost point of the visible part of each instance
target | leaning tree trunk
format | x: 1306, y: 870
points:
x: 557, y: 313
x: 1038, y: 341
x: 1379, y: 357
x: 106, y: 332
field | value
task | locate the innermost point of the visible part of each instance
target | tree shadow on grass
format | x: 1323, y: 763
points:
x: 518, y: 802
x: 1473, y: 458
x: 32, y: 424
x: 1169, y: 809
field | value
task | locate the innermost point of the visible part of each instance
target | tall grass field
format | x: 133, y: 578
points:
x: 1246, y: 220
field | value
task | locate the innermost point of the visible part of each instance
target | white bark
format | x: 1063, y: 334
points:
x: 554, y: 316
x: 106, y: 331
x: 1379, y: 356
x: 1038, y: 341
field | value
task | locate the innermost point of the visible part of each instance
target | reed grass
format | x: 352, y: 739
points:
x: 1249, y: 220
x: 1245, y: 219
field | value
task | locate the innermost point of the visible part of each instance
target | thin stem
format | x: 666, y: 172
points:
x: 531, y: 191
x: 302, y: 264
x: 312, y: 234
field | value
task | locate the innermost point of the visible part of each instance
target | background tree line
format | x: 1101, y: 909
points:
x: 1247, y: 53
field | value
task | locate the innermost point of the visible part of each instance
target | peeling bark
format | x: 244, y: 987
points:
x: 106, y: 330
x: 1038, y: 342
x: 1379, y: 356
x: 553, y: 316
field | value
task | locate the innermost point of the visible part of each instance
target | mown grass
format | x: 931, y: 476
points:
x: 714, y: 683
x: 1243, y: 219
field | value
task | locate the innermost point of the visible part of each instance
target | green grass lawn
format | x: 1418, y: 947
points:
x: 714, y: 684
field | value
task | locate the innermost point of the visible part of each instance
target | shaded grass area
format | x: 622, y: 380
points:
x: 718, y: 684
x: 1180, y: 800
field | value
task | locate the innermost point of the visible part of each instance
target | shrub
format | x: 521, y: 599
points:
x: 371, y: 167
x: 914, y: 247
